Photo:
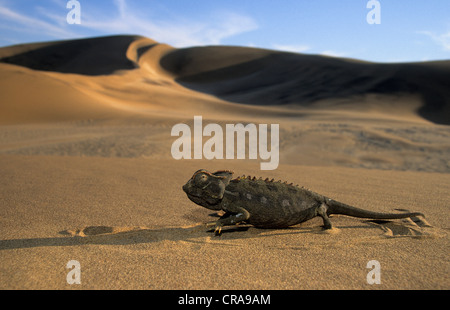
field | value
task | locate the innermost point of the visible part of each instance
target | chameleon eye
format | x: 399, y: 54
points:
x: 201, y: 178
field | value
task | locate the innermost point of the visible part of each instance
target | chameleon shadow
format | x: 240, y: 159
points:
x: 104, y: 235
x: 100, y: 235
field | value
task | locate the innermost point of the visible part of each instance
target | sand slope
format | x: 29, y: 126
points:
x: 266, y: 77
x: 244, y: 75
x: 87, y: 172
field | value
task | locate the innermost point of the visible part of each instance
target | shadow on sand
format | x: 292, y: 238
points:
x: 105, y: 235
x: 110, y: 235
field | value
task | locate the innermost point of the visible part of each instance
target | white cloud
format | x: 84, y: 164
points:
x: 332, y: 54
x: 292, y: 48
x: 182, y: 33
x: 177, y: 31
x: 227, y: 24
x: 442, y: 40
x: 122, y: 7
x: 33, y: 25
x: 306, y: 48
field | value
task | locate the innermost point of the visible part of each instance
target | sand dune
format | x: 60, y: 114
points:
x: 87, y: 172
x: 272, y: 78
x: 97, y: 56
x: 243, y: 75
x: 333, y: 111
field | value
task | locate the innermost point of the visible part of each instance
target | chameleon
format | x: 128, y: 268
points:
x: 267, y: 203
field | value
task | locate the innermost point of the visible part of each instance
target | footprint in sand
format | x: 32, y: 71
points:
x: 413, y: 227
x: 100, y: 230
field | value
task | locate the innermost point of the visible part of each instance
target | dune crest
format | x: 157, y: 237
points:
x: 219, y: 77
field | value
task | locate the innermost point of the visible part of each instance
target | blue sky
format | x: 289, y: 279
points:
x: 409, y: 31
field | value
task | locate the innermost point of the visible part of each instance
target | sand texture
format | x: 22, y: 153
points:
x: 87, y: 172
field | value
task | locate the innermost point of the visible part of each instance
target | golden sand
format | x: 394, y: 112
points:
x: 87, y: 173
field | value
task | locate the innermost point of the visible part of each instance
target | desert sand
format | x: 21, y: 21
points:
x: 87, y: 172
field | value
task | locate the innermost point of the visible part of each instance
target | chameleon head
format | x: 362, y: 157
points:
x: 206, y: 189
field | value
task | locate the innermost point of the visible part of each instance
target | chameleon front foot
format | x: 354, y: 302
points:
x: 217, y: 227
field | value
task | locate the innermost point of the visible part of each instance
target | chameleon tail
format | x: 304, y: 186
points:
x: 336, y: 207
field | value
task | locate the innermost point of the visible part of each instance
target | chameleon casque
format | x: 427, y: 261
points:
x: 266, y: 203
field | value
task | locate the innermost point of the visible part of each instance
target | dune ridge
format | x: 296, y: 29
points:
x: 244, y: 75
x: 267, y: 77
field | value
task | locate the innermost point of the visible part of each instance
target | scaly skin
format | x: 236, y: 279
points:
x: 267, y: 204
